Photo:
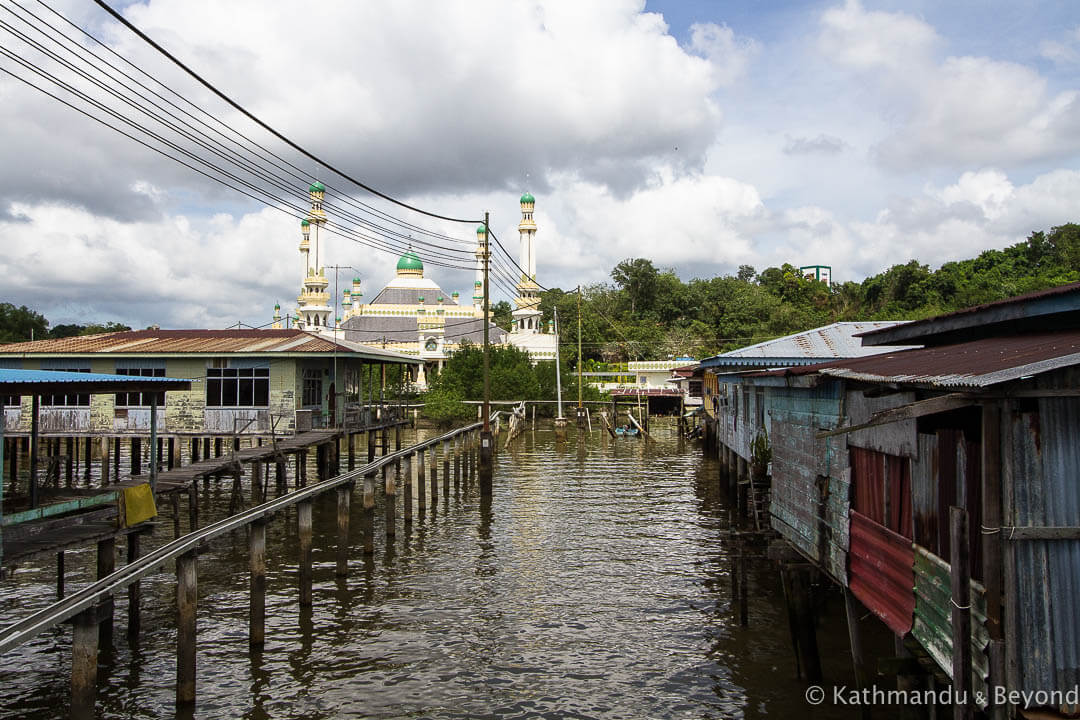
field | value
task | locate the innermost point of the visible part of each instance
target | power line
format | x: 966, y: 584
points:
x: 121, y: 19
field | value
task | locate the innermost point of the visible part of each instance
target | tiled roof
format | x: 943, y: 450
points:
x: 171, y: 342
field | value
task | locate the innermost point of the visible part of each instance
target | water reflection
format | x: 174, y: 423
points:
x: 594, y: 584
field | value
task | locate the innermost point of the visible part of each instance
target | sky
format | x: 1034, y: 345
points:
x: 702, y: 135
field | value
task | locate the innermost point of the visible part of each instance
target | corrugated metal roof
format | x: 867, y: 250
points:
x: 14, y: 382
x: 974, y: 364
x: 830, y: 341
x: 171, y: 342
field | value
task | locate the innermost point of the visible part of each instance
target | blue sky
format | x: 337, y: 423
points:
x: 857, y: 134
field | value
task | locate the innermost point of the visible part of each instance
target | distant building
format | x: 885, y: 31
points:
x: 821, y: 273
x: 527, y: 332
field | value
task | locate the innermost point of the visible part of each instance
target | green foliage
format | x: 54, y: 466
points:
x: 502, y: 314
x: 18, y: 324
x: 444, y: 406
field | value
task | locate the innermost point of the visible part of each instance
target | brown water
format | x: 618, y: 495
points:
x: 596, y: 587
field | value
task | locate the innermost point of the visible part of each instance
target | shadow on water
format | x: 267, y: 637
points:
x: 595, y: 584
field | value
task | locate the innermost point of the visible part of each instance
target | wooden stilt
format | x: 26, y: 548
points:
x: 193, y: 506
x: 344, y: 496
x: 303, y: 520
x: 106, y: 565
x: 84, y: 662
x: 352, y: 450
x: 858, y: 659
x: 88, y: 458
x: 256, y: 483
x: 407, y: 472
x: 390, y: 498
x: 457, y: 463
x: 186, y: 604
x: 800, y: 589
x: 446, y: 468
x: 257, y: 610
x: 960, y: 579
x: 116, y: 459
x: 434, y: 479
x: 60, y: 575
x: 421, y: 477
x: 134, y: 590
x: 367, y: 518
x: 136, y: 456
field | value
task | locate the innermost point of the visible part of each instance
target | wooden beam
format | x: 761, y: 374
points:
x: 930, y: 406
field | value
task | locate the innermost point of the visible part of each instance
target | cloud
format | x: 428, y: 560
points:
x: 962, y: 110
x: 729, y: 55
x: 820, y: 145
x: 1062, y: 52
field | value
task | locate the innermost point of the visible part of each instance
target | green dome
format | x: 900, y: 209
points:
x: 410, y: 261
x: 481, y: 230
x: 304, y: 223
x: 317, y: 187
x: 528, y: 198
x: 356, y: 281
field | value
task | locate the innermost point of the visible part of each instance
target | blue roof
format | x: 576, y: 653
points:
x: 15, y: 381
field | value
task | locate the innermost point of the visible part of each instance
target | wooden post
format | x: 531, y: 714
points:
x: 960, y: 579
x: 301, y: 468
x: 116, y: 460
x: 134, y: 590
x: 457, y: 463
x: 397, y: 437
x: 367, y: 519
x: 386, y: 441
x: 257, y: 609
x: 193, y: 505
x: 344, y: 496
x: 60, y: 575
x: 136, y: 456
x: 858, y: 659
x: 84, y: 662
x: 421, y: 476
x: 800, y: 589
x: 434, y: 478
x: 390, y: 497
x: 106, y: 564
x: 171, y: 456
x: 88, y: 458
x: 446, y: 468
x: 280, y: 479
x: 352, y: 450
x: 370, y: 445
x: 303, y: 520
x: 256, y: 483
x: 104, y: 461
x: 186, y: 605
x: 744, y: 605
x: 744, y: 479
x: 408, y: 479
x: 991, y: 548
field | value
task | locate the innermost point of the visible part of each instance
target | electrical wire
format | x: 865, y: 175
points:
x: 122, y: 20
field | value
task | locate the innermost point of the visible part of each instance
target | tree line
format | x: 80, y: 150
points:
x: 19, y: 324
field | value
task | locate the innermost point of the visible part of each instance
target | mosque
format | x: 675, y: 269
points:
x: 412, y: 314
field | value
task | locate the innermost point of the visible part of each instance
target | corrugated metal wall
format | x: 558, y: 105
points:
x: 933, y: 617
x: 810, y: 478
x: 882, y: 574
x: 1045, y: 462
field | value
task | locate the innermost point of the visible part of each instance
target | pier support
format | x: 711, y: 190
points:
x: 487, y: 450
x: 446, y: 468
x: 84, y: 662
x: 186, y: 604
x: 257, y: 610
x: 960, y: 580
x: 421, y: 495
x: 351, y: 442
x: 797, y: 591
x: 106, y: 564
x: 344, y: 497
x: 457, y: 463
x: 304, y: 530
x: 367, y: 518
x: 390, y: 498
x: 434, y: 478
x: 408, y: 480
x: 134, y: 591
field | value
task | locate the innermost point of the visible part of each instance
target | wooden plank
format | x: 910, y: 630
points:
x: 930, y: 406
x: 1040, y: 533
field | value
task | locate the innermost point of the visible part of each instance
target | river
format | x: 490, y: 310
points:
x: 596, y: 587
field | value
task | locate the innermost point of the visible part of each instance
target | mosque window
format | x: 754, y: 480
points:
x: 238, y: 387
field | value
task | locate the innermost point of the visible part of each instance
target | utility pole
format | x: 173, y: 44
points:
x: 580, y: 407
x: 487, y: 442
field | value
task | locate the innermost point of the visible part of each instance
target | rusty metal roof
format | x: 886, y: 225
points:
x: 203, y: 342
x: 838, y: 340
x: 974, y: 364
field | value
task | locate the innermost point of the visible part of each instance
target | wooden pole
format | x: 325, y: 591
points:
x: 186, y: 605
x: 351, y: 442
x: 457, y: 463
x: 390, y: 498
x: 257, y: 609
x: 806, y: 628
x: 367, y: 519
x: 134, y: 590
x: 421, y: 496
x: 303, y: 521
x: 60, y: 575
x: 84, y: 662
x: 106, y: 565
x: 858, y: 659
x: 991, y: 547
x: 256, y: 483
x: 446, y: 468
x: 344, y: 497
x: 960, y: 579
x: 407, y: 471
x: 434, y: 478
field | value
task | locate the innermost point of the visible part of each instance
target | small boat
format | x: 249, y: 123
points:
x: 626, y: 431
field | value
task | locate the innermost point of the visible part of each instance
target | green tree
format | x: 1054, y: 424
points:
x: 502, y: 314
x: 18, y: 324
x: 638, y: 278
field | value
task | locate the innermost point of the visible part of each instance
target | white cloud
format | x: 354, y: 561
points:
x: 1065, y: 51
x: 962, y: 110
x: 728, y: 54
